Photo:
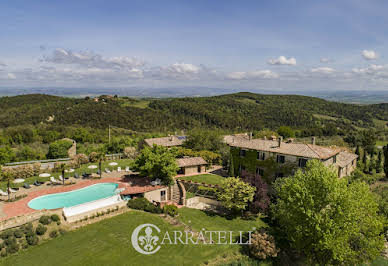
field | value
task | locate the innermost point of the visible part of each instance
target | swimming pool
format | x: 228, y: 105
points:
x: 74, y: 197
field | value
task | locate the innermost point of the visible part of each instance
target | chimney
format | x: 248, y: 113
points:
x: 280, y: 139
x: 250, y: 135
x: 313, y: 140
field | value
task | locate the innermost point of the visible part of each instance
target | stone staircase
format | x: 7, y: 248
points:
x: 176, y: 193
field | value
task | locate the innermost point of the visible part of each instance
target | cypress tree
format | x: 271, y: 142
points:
x: 231, y: 167
x: 379, y: 162
x: 364, y: 158
x: 386, y: 160
x: 358, y: 152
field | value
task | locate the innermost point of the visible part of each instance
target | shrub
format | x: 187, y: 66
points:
x: 45, y: 220
x: 13, y: 248
x: 25, y: 245
x: 81, y: 158
x: 93, y: 157
x: 10, y: 241
x: 3, y: 253
x: 41, y: 229
x: 27, y: 227
x: 6, y: 234
x: 2, y: 245
x: 152, y: 208
x: 262, y: 246
x: 138, y: 203
x: 29, y: 232
x: 130, y: 152
x: 59, y: 223
x: 54, y: 234
x: 32, y: 240
x: 62, y: 231
x: 171, y: 210
x: 18, y: 233
x: 55, y: 218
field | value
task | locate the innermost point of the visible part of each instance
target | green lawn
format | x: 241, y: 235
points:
x: 108, y: 243
x: 206, y: 178
x: 84, y: 168
x: 198, y: 220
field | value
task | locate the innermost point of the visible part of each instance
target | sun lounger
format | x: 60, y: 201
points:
x: 26, y: 186
x: 2, y: 193
x: 54, y: 181
x: 107, y: 170
x: 12, y: 190
x: 98, y: 172
x: 60, y: 178
x: 119, y: 169
x: 127, y: 169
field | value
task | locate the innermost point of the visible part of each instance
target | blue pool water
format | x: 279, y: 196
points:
x: 75, y: 197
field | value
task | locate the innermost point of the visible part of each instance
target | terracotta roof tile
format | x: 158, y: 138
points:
x: 296, y: 149
x: 166, y: 141
x: 190, y: 161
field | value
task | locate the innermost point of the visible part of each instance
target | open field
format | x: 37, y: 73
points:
x: 108, y: 243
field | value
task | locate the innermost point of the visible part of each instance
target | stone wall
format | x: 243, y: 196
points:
x: 26, y: 218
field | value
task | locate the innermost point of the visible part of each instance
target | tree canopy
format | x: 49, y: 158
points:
x: 235, y: 194
x: 157, y: 162
x: 325, y: 218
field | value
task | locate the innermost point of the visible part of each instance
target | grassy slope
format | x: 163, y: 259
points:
x: 108, y: 243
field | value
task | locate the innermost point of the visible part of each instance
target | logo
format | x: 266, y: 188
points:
x: 143, y: 240
x: 147, y: 239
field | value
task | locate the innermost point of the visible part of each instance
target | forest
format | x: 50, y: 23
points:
x: 29, y: 123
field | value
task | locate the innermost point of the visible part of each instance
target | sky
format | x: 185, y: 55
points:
x: 277, y: 45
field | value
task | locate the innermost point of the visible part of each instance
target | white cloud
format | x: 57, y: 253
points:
x: 369, y: 54
x: 368, y: 70
x: 323, y: 70
x: 258, y: 74
x: 90, y: 59
x: 282, y: 60
x: 11, y: 76
x: 2, y: 64
x: 324, y: 60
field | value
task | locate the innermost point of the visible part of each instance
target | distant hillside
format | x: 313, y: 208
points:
x: 235, y: 112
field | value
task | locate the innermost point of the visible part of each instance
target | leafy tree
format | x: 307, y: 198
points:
x: 261, y: 199
x: 6, y: 155
x: 235, y: 194
x: 368, y: 140
x: 286, y: 132
x: 330, y: 221
x: 157, y: 162
x: 200, y: 139
x: 6, y: 176
x: 58, y: 149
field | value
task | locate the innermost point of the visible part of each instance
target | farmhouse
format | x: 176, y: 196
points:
x: 191, y: 165
x: 250, y: 155
x: 170, y: 141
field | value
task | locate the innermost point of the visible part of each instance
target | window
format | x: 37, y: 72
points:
x: 335, y: 159
x: 242, y: 153
x: 259, y: 172
x: 260, y: 155
x: 162, y: 195
x: 279, y: 175
x: 280, y: 159
x: 302, y: 162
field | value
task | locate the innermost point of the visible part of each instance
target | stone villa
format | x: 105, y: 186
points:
x: 249, y: 154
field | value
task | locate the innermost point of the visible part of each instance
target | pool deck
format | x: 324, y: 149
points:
x: 20, y: 207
